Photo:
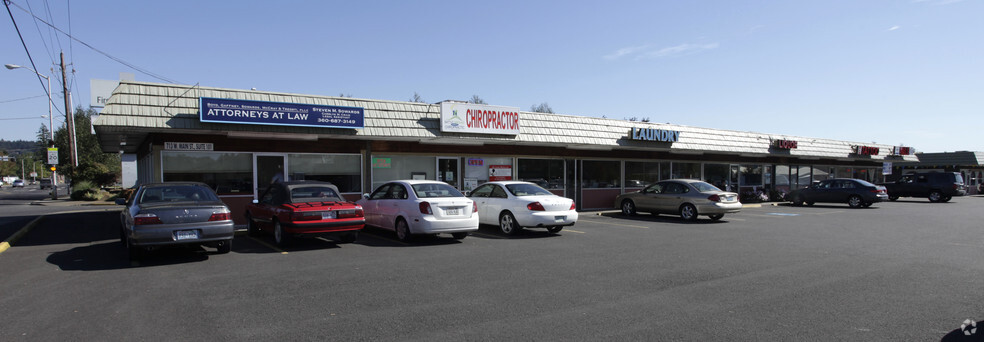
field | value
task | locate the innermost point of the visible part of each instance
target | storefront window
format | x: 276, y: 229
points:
x: 686, y: 170
x: 805, y: 177
x: 477, y: 171
x: 717, y: 174
x: 387, y: 168
x: 343, y: 170
x: 226, y: 172
x: 782, y: 181
x: 600, y: 174
x: 549, y: 171
x: 640, y: 174
x: 751, y: 175
x: 822, y: 172
x: 664, y: 171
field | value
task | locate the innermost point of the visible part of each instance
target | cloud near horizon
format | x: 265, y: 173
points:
x: 647, y: 52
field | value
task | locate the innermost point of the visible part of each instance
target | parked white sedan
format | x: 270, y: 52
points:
x: 513, y: 205
x: 411, y: 207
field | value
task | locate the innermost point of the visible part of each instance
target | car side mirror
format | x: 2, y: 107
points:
x: 365, y: 195
x: 256, y: 201
x: 121, y: 201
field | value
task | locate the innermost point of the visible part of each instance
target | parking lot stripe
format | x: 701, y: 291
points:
x: 268, y: 245
x: 573, y: 231
x: 616, y: 224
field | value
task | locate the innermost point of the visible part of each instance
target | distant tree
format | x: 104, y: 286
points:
x: 646, y: 119
x: 344, y: 95
x: 416, y: 98
x: 95, y: 166
x: 541, y: 108
x: 633, y: 119
x: 476, y: 100
x: 41, y: 151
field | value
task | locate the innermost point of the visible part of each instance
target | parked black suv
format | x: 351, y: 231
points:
x: 937, y: 186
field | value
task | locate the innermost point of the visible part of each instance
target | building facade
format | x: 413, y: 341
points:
x: 237, y: 141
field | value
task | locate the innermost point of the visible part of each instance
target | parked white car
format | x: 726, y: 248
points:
x: 513, y: 205
x: 410, y: 207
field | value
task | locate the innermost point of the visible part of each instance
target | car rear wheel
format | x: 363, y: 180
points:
x: 946, y: 199
x: 797, y: 201
x: 893, y: 198
x: 225, y: 246
x: 716, y: 217
x: 459, y: 236
x: 132, y: 252
x: 688, y: 212
x: 507, y: 223
x: 402, y: 230
x: 555, y: 229
x: 855, y: 201
x: 628, y: 208
x: 935, y: 196
x: 279, y: 235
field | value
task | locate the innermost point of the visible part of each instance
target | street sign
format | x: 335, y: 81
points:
x: 33, y: 174
x: 52, y: 156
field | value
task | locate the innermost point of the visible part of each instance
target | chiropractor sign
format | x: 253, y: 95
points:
x: 475, y: 118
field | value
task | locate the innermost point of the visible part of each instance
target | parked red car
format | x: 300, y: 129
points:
x: 304, y: 208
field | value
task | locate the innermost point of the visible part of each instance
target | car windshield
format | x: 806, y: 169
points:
x: 177, y: 193
x: 313, y: 194
x: 523, y: 189
x: 428, y: 190
x: 704, y: 187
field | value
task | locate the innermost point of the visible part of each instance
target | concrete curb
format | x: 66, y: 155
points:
x: 5, y: 245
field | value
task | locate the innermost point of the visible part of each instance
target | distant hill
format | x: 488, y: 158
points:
x: 16, y: 147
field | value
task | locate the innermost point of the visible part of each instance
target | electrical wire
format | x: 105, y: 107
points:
x: 6, y: 3
x: 22, y: 99
x: 118, y: 60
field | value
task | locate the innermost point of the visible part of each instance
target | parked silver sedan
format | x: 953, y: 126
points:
x: 174, y: 213
x: 686, y: 197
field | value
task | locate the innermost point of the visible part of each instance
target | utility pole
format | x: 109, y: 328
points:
x: 69, y: 116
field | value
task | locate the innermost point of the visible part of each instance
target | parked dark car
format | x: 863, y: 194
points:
x: 936, y: 186
x: 44, y: 183
x: 304, y: 208
x: 856, y: 193
x: 174, y: 213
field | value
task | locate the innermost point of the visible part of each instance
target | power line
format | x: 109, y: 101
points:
x: 6, y: 3
x: 22, y: 99
x: 118, y: 60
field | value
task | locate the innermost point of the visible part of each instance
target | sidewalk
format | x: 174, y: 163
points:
x: 67, y: 202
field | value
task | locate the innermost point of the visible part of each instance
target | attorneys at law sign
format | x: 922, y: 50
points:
x: 475, y: 118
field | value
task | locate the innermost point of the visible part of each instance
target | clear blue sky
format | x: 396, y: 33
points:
x: 899, y: 72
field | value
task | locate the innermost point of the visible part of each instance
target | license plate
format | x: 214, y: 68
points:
x: 328, y: 215
x: 452, y: 211
x: 186, y: 235
x: 560, y: 218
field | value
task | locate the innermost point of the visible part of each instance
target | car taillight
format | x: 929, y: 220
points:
x: 305, y: 216
x: 714, y: 198
x: 535, y: 206
x: 220, y: 217
x: 425, y: 208
x: 573, y: 206
x: 143, y: 219
x: 474, y: 207
x: 351, y: 213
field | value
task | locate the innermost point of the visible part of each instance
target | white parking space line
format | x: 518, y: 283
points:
x: 616, y: 224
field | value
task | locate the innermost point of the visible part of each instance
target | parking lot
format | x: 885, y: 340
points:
x: 906, y: 270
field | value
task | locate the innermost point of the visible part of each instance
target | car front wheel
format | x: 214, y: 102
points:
x: 251, y: 228
x: 716, y: 217
x: 459, y: 236
x: 688, y: 212
x: 935, y: 196
x: 628, y: 208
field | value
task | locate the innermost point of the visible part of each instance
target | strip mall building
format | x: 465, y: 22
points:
x: 238, y: 140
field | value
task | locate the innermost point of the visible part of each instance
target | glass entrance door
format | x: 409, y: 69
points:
x: 269, y: 168
x: 447, y: 171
